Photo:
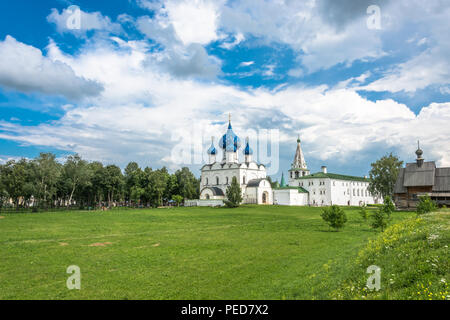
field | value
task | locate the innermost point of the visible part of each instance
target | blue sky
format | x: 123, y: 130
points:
x: 144, y: 81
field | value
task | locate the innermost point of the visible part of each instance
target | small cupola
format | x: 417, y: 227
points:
x: 419, y: 154
x: 248, y: 152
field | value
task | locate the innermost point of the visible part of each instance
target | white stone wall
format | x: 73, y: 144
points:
x: 290, y: 197
x: 204, y: 203
x: 326, y: 191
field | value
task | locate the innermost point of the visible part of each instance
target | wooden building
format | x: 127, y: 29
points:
x: 422, y: 178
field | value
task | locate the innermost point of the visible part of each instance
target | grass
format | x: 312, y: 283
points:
x: 252, y: 252
x: 414, y: 259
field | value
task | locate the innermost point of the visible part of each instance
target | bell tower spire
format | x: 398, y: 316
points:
x: 299, y: 159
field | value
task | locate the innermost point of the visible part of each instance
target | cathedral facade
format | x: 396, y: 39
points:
x: 302, y: 189
x: 216, y: 176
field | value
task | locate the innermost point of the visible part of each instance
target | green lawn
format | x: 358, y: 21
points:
x: 252, y: 252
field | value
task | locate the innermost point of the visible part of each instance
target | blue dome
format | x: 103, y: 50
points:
x: 248, y: 150
x: 230, y: 141
x: 212, y: 150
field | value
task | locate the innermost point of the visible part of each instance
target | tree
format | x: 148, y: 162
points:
x: 76, y: 173
x: 178, y: 199
x: 98, y: 182
x: 188, y: 184
x: 379, y: 219
x: 383, y: 175
x: 13, y: 180
x: 47, y: 172
x: 425, y: 205
x: 134, y: 177
x: 234, y: 194
x: 335, y: 217
x: 114, y: 182
x: 382, y: 216
x: 158, y: 183
x: 136, y: 194
x: 388, y: 206
x: 363, y: 213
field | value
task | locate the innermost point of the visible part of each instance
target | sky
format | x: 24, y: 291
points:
x: 153, y: 81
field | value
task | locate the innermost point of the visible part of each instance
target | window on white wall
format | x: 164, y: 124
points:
x: 217, y: 180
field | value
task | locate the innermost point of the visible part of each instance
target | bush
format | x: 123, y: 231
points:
x: 380, y: 219
x: 388, y: 206
x: 178, y: 199
x: 363, y: 213
x: 425, y: 205
x: 335, y: 217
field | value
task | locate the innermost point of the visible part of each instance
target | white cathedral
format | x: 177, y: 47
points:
x: 303, y: 188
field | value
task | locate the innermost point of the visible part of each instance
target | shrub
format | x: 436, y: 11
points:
x: 178, y: 199
x: 335, y: 217
x: 388, y: 206
x: 363, y: 213
x: 380, y: 219
x: 425, y: 205
x: 234, y: 194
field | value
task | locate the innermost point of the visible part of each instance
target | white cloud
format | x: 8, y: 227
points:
x: 24, y: 68
x: 65, y: 22
x: 176, y: 58
x: 246, y: 63
x: 429, y: 67
x: 238, y: 38
x: 144, y: 114
x: 194, y: 21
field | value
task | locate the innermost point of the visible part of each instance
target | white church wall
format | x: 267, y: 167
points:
x: 290, y: 197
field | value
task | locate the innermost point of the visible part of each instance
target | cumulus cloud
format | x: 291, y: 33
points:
x: 144, y: 115
x: 177, y: 58
x: 25, y: 68
x: 76, y: 21
x: 194, y: 21
x: 431, y: 66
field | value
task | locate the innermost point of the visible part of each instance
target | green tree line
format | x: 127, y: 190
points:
x: 44, y: 182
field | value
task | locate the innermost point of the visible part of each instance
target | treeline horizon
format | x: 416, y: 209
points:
x: 43, y: 182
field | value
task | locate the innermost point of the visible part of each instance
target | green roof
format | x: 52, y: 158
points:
x: 321, y: 175
x: 283, y: 183
x: 300, y: 189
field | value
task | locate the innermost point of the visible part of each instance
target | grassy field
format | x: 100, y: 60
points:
x: 252, y: 252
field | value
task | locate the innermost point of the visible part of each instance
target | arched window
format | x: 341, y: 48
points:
x: 217, y: 180
x: 244, y: 179
x: 296, y: 174
x: 227, y: 180
x: 206, y: 181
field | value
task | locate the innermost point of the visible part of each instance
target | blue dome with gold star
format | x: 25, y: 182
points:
x: 230, y: 141
x: 248, y: 150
